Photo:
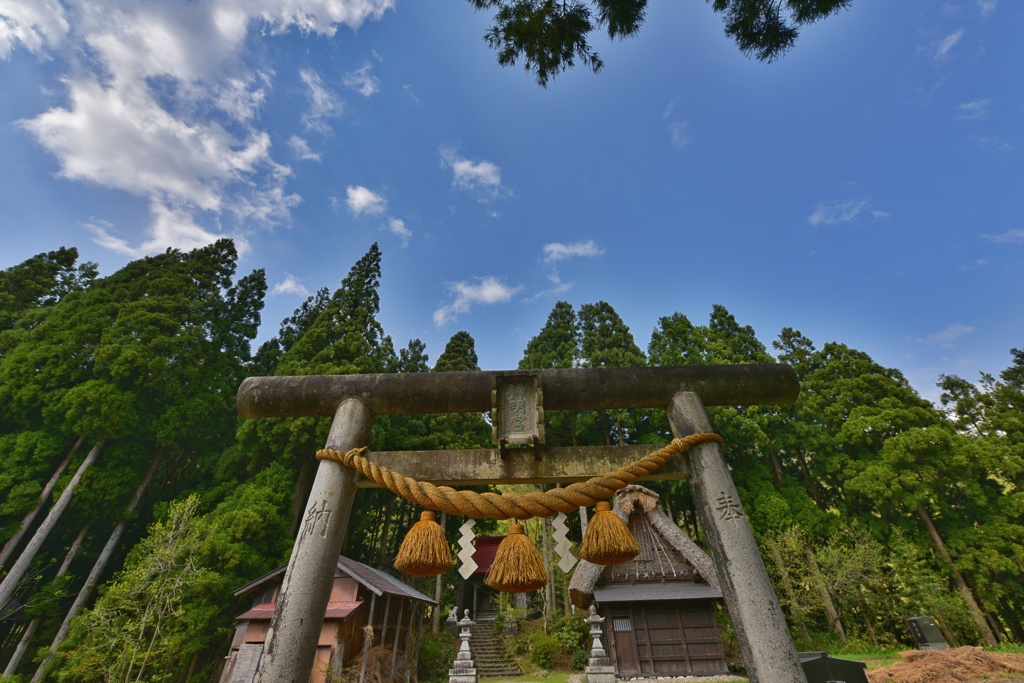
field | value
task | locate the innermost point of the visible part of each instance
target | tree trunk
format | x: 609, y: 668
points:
x: 1010, y: 617
x: 787, y: 588
x: 549, y: 587
x: 302, y: 485
x: 10, y: 582
x: 775, y: 466
x: 385, y: 530
x: 867, y: 620
x: 435, y: 619
x: 993, y: 623
x: 98, y: 567
x: 831, y: 613
x: 958, y: 579
x: 14, y: 540
x: 809, y: 481
x: 26, y: 639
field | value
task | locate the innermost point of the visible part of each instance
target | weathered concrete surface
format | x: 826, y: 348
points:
x: 564, y: 389
x: 764, y: 639
x: 295, y: 629
x: 485, y: 466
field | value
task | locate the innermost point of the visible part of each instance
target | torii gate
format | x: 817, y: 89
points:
x: 354, y: 400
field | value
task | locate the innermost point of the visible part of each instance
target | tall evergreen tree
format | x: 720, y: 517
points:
x: 557, y: 345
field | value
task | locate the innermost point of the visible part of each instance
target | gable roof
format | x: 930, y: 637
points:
x: 374, y: 580
x: 667, y: 556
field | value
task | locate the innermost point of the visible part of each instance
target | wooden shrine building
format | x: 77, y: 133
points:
x: 473, y: 594
x: 658, y: 607
x: 360, y: 596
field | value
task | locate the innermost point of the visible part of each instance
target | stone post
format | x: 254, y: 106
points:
x: 765, y: 643
x: 295, y: 629
x: 599, y: 667
x: 464, y: 668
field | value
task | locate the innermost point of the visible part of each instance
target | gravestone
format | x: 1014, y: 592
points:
x: 927, y: 634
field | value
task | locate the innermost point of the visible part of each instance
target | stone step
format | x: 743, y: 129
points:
x: 489, y: 653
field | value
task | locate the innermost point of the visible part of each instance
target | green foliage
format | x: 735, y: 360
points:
x: 543, y: 648
x: 549, y: 37
x: 144, y: 626
x: 837, y: 486
x: 436, y: 654
x: 40, y: 282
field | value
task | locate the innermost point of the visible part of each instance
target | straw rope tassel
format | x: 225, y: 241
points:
x: 608, y: 540
x: 517, y: 566
x: 425, y: 550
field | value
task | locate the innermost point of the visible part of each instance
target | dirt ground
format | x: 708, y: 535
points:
x: 960, y: 665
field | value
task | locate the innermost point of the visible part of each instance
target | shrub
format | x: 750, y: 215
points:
x: 544, y: 648
x: 437, y: 652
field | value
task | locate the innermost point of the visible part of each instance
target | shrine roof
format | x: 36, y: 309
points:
x: 335, y: 610
x: 374, y: 580
x: 678, y: 590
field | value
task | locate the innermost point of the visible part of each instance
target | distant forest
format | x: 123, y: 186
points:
x: 134, y: 500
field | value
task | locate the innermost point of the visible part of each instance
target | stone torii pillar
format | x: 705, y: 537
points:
x: 354, y: 400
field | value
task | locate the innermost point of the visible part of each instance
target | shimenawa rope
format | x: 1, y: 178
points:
x: 513, y: 505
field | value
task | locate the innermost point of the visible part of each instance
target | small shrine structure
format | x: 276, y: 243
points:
x: 361, y: 596
x: 658, y: 608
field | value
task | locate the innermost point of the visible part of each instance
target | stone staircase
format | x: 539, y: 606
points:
x: 489, y: 651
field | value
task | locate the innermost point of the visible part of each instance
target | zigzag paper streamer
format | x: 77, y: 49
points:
x: 466, y: 554
x: 563, y: 546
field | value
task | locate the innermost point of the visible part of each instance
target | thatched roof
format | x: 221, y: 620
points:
x: 667, y: 554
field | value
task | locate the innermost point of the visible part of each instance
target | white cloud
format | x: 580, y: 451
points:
x: 949, y: 334
x: 34, y: 24
x: 290, y: 286
x: 301, y: 149
x: 487, y: 290
x: 557, y: 289
x: 161, y: 103
x: 362, y: 81
x: 172, y: 228
x: 556, y: 251
x: 986, y: 6
x: 396, y: 226
x: 975, y: 109
x: 948, y: 43
x: 992, y: 142
x: 679, y: 134
x: 481, y: 176
x: 323, y: 104
x: 1008, y: 237
x: 120, y: 137
x: 361, y: 200
x: 842, y: 212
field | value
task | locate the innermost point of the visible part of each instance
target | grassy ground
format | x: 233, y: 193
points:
x: 551, y: 677
x: 875, y: 659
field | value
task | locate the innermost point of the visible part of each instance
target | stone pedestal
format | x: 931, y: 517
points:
x: 451, y: 623
x: 464, y: 668
x: 599, y: 667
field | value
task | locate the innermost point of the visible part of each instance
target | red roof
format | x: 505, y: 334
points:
x: 486, y: 549
x: 335, y: 610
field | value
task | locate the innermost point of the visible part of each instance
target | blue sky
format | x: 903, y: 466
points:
x: 866, y: 188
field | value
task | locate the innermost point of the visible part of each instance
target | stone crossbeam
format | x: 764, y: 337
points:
x: 470, y: 392
x: 473, y: 467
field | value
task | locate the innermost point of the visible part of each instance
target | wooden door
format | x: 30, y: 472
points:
x: 624, y: 646
x: 665, y: 639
